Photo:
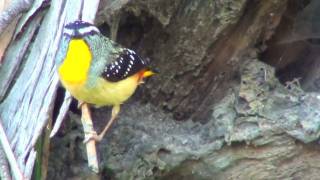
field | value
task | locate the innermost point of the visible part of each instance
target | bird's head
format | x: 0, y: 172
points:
x: 78, y: 29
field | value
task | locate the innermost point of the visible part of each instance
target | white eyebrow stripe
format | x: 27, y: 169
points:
x: 88, y: 29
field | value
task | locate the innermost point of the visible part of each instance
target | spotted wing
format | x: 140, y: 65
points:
x: 126, y: 63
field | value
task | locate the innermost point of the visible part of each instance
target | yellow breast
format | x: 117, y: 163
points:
x: 73, y: 74
x: 74, y: 69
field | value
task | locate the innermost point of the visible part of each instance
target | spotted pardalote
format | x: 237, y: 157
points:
x: 96, y: 70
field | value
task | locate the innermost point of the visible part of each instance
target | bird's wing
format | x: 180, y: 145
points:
x: 125, y: 64
x: 111, y: 61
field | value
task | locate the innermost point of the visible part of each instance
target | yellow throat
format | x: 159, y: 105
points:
x: 74, y: 69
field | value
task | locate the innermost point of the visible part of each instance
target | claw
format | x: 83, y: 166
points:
x: 91, y: 136
x: 80, y: 103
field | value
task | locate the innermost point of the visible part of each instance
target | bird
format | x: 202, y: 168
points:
x: 96, y: 70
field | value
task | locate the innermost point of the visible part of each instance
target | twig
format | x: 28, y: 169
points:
x: 46, y: 151
x: 91, y: 144
x: 17, y: 173
x: 62, y: 112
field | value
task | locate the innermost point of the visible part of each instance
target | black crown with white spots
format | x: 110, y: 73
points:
x: 126, y: 64
x: 78, y: 29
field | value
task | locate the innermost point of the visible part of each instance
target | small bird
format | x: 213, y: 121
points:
x: 96, y: 70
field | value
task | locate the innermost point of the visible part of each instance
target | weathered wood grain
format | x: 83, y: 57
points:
x: 28, y: 74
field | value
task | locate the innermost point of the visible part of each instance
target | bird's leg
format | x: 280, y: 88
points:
x: 114, y: 114
x: 80, y: 103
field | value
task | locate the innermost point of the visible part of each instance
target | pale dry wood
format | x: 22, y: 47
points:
x: 27, y: 107
x: 6, y: 36
x: 88, y: 129
x: 11, y: 11
x: 9, y: 153
x: 14, y: 55
x: 4, y: 4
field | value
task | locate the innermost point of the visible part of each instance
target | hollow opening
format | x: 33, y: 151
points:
x: 294, y: 49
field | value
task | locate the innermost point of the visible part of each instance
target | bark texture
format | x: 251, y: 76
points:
x: 257, y: 131
x: 195, y: 46
x: 240, y: 122
x: 236, y: 120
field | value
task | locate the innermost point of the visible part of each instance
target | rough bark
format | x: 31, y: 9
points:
x: 194, y: 45
x: 294, y: 50
x: 210, y: 71
x: 257, y: 131
x: 240, y: 122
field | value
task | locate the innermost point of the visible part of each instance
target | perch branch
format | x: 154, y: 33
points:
x: 88, y: 129
x: 17, y: 173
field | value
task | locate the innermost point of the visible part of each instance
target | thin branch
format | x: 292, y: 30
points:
x: 17, y: 173
x: 88, y: 129
x: 46, y: 151
x: 62, y: 112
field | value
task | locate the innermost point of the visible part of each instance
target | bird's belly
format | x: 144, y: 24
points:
x: 103, y: 92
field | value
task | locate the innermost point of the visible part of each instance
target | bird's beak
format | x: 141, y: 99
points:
x: 148, y: 73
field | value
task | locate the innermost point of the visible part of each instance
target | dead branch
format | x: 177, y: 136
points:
x: 88, y: 129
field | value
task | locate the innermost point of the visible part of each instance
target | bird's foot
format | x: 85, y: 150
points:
x: 92, y: 135
x: 80, y: 103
